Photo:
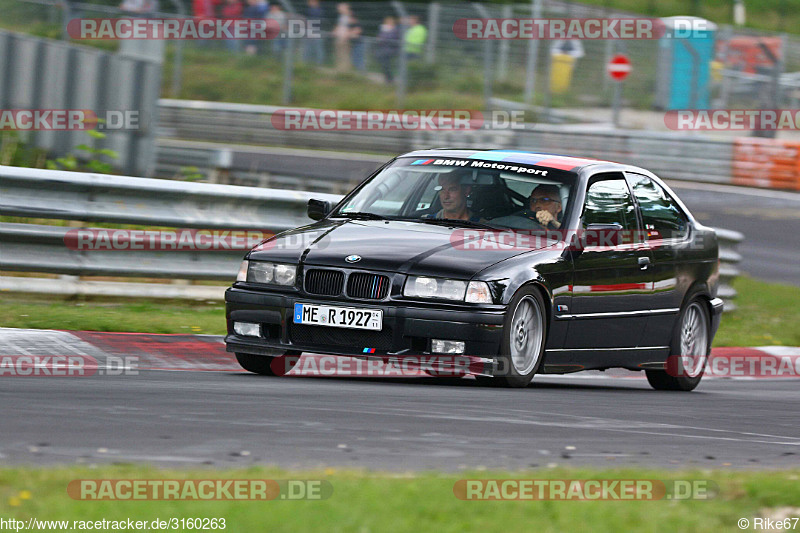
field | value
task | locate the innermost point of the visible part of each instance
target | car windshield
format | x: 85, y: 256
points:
x: 464, y: 192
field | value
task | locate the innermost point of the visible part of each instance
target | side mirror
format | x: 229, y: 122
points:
x: 318, y: 209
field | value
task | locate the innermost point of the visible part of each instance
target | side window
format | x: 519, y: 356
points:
x: 662, y: 217
x: 608, y: 201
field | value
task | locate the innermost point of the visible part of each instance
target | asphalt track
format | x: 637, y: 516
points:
x: 188, y: 404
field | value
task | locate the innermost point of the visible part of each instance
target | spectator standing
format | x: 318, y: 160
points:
x: 277, y: 14
x: 232, y: 9
x: 203, y: 9
x: 314, y: 51
x: 415, y: 38
x: 341, y: 35
x: 255, y: 10
x: 357, y: 44
x: 387, y: 47
x: 139, y: 8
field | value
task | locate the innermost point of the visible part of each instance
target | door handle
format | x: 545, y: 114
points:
x: 643, y: 263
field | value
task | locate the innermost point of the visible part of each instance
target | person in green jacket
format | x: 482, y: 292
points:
x: 415, y: 38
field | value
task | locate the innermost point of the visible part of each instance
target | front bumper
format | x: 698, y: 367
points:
x: 717, y: 306
x: 407, y: 327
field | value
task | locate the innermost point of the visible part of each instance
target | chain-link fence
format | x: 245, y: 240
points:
x: 738, y: 69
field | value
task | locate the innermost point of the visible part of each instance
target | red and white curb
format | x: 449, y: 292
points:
x: 149, y: 351
x: 152, y: 351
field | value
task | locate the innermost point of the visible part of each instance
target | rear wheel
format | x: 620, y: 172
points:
x: 268, y: 365
x: 692, y: 343
x: 524, y: 334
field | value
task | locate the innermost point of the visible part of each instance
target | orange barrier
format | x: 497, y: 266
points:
x: 766, y: 163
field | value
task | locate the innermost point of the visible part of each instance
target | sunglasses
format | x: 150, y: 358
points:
x: 544, y: 199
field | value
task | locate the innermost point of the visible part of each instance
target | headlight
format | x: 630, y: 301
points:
x: 424, y: 287
x: 448, y: 289
x: 276, y: 274
x: 285, y: 274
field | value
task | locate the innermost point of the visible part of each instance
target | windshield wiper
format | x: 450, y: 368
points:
x: 360, y: 215
x: 458, y: 222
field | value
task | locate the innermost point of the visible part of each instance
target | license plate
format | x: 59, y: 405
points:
x: 338, y: 317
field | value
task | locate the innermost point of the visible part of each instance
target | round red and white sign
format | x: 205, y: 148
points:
x: 619, y: 67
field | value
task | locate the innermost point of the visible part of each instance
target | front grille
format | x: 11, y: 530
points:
x: 350, y: 338
x: 324, y: 282
x: 367, y: 286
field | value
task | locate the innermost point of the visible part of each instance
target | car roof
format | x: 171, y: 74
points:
x: 523, y: 157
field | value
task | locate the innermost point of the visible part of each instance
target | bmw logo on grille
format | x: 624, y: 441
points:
x: 353, y: 258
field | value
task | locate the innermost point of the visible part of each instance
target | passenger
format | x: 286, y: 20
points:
x: 544, y: 210
x: 545, y: 206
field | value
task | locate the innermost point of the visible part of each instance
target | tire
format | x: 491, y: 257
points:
x: 264, y: 364
x: 692, y: 342
x: 524, y: 335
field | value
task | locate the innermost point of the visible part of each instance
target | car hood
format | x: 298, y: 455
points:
x: 393, y: 246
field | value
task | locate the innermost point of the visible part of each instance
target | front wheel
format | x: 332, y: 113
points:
x: 268, y: 365
x: 524, y: 334
x: 691, y: 345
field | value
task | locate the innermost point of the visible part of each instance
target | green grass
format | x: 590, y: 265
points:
x: 366, y: 501
x: 41, y: 312
x: 217, y: 75
x: 767, y: 314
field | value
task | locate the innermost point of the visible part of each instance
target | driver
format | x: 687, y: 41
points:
x: 453, y: 197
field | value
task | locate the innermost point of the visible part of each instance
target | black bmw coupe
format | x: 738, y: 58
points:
x: 527, y: 263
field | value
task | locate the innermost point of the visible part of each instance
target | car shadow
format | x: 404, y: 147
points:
x: 468, y: 381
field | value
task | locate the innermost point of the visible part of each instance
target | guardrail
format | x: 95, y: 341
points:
x: 283, y: 168
x: 187, y: 141
x: 252, y: 124
x: 27, y: 192
x: 80, y: 197
x: 729, y: 258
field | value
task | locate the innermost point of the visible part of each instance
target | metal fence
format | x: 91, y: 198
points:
x: 42, y: 74
x: 529, y: 71
x: 34, y: 248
